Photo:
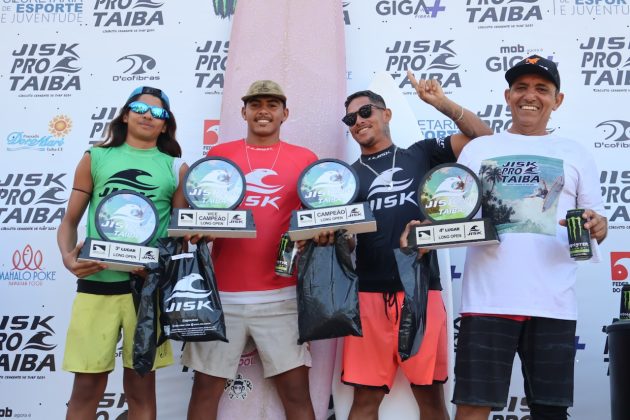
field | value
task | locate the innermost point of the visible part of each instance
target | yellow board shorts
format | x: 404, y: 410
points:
x: 95, y: 329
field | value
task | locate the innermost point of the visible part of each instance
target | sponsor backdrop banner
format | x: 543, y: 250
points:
x: 69, y: 64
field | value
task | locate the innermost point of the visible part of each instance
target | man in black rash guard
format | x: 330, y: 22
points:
x: 389, y: 178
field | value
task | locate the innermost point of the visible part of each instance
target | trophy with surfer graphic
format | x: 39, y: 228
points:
x: 327, y: 189
x: 126, y: 221
x: 450, y: 197
x: 213, y: 188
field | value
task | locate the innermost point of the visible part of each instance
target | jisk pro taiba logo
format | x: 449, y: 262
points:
x: 427, y: 59
x: 26, y: 345
x: 606, y: 63
x: 32, y: 200
x: 500, y: 11
x: 139, y: 14
x: 45, y: 68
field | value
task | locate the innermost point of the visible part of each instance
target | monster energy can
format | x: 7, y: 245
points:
x: 579, y: 237
x: 624, y: 309
x: 287, y: 256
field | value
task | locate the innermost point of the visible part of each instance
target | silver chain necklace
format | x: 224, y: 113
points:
x: 391, y: 181
x: 274, y: 161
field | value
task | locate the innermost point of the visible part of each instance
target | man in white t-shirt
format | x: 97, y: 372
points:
x: 519, y: 296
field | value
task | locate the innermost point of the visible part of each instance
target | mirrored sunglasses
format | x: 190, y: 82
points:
x: 365, y: 111
x: 156, y: 111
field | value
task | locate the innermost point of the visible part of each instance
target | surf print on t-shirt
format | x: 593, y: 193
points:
x: 520, y: 193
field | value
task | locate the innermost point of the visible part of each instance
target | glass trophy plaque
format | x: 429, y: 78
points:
x: 126, y: 222
x: 328, y: 188
x: 450, y: 197
x: 214, y: 187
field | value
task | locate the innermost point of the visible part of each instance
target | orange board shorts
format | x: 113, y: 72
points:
x: 372, y: 360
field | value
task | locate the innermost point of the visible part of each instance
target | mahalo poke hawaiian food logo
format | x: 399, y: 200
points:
x: 606, y: 63
x: 43, y: 69
x: 31, y: 201
x: 427, y: 59
x: 119, y: 15
x: 210, y: 66
x: 28, y: 268
x: 26, y: 345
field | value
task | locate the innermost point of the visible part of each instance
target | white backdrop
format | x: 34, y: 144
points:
x: 68, y: 64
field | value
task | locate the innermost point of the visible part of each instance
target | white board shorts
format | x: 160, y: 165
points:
x: 273, y: 327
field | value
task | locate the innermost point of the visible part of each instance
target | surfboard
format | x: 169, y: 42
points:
x: 275, y: 40
x: 554, y: 193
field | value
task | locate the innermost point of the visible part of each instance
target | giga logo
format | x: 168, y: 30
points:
x: 210, y: 67
x: 617, y: 134
x: 507, y: 57
x: 32, y: 201
x: 25, y: 345
x: 139, y: 14
x: 434, y: 59
x: 500, y: 11
x: 137, y: 66
x: 45, y: 68
x: 606, y: 63
x: 417, y: 8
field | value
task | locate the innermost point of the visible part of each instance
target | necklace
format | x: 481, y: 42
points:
x: 249, y: 162
x: 391, y: 181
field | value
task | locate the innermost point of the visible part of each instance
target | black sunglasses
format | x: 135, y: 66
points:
x: 365, y: 111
